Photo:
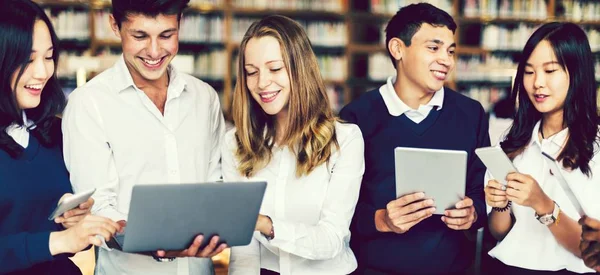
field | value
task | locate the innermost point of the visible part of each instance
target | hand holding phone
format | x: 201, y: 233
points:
x: 497, y: 162
x: 70, y: 203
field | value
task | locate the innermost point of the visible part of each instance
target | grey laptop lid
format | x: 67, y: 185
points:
x: 169, y: 216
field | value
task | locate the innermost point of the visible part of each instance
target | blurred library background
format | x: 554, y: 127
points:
x: 347, y: 35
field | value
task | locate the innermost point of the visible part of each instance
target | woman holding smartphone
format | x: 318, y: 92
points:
x: 33, y: 177
x: 532, y: 217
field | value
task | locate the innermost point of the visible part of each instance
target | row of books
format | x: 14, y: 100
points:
x: 525, y: 9
x: 70, y: 24
x: 320, y: 5
x: 321, y: 33
x: 500, y: 37
x: 487, y: 96
x: 486, y: 68
x: 392, y: 6
x: 202, y: 28
x: 380, y: 67
x: 577, y: 10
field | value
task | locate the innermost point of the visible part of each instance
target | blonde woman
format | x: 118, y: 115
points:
x: 287, y: 134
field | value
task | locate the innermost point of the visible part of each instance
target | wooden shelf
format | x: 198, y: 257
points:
x: 498, y: 20
x: 382, y: 17
x: 361, y: 48
x: 63, y: 3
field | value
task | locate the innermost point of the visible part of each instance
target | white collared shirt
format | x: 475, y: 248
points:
x: 311, y: 214
x: 115, y: 138
x: 531, y: 245
x: 397, y: 107
x: 20, y: 134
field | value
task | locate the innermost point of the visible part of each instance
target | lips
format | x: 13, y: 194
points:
x: 34, y: 89
x: 153, y: 63
x: 440, y: 75
x: 540, y: 97
x: 267, y: 97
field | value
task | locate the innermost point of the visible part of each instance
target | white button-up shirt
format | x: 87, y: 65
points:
x: 531, y: 245
x: 311, y: 214
x: 397, y: 107
x: 115, y: 138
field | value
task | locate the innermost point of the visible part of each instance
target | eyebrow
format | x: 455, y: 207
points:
x: 544, y: 64
x: 439, y: 42
x: 49, y: 49
x: 268, y: 62
x: 143, y: 32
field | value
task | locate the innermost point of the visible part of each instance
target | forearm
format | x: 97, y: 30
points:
x: 567, y: 233
x: 500, y: 223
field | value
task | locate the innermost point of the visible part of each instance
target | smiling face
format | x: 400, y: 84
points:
x: 149, y: 44
x: 38, y: 70
x: 426, y: 63
x: 545, y: 80
x: 267, y: 77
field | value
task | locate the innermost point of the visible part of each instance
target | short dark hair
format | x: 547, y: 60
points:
x: 572, y: 49
x: 151, y: 8
x: 408, y: 20
x: 17, y: 21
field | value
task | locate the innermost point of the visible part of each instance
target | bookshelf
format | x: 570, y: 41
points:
x: 347, y: 37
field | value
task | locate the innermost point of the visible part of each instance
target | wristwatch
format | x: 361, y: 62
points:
x: 548, y: 219
x: 163, y: 259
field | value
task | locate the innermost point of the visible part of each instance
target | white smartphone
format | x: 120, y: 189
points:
x: 497, y: 162
x: 70, y: 203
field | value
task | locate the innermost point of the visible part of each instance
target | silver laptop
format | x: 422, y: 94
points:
x: 441, y: 174
x: 170, y: 216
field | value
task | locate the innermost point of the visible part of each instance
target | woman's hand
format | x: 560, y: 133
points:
x: 82, y: 234
x: 495, y: 194
x: 73, y: 216
x: 525, y: 190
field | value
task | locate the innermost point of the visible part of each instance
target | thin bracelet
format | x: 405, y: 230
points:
x: 504, y: 209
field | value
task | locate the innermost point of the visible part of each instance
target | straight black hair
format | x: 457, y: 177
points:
x: 573, y: 53
x: 151, y: 8
x: 408, y: 20
x: 17, y: 20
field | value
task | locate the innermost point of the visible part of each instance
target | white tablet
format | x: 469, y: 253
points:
x: 170, y: 216
x: 70, y: 203
x: 440, y: 174
x: 497, y: 162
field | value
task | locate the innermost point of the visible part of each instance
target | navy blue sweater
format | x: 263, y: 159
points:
x: 31, y: 186
x: 430, y: 247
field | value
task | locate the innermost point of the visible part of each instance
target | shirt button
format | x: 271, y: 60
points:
x: 173, y: 172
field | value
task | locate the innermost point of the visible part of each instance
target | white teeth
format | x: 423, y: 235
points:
x: 34, y: 87
x: 439, y: 74
x: 151, y: 62
x: 269, y: 95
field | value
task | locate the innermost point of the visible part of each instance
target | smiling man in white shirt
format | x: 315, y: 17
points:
x: 142, y: 122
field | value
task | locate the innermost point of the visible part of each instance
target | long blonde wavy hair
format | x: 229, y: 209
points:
x: 311, y: 123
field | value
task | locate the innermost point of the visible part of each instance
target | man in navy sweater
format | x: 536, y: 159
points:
x: 401, y: 235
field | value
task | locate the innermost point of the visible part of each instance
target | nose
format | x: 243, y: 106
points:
x: 445, y: 59
x: 264, y: 80
x: 152, y: 48
x: 40, y: 70
x: 539, y: 81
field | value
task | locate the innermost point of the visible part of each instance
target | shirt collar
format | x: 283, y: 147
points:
x: 123, y: 80
x: 396, y: 107
x: 551, y: 145
x: 20, y: 133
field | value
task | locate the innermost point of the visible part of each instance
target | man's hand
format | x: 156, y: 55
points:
x: 590, y: 242
x: 462, y: 217
x: 73, y: 216
x: 194, y: 250
x: 403, y: 213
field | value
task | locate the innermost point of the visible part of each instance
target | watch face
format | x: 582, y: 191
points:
x: 546, y: 219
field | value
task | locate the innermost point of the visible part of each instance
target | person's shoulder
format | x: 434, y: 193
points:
x: 199, y: 87
x: 365, y: 101
x: 346, y: 131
